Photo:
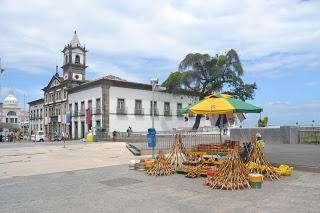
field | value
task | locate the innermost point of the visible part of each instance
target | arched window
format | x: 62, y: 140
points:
x: 11, y: 113
x: 67, y: 59
x: 77, y: 60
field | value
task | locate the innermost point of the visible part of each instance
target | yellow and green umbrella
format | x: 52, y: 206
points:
x: 222, y: 104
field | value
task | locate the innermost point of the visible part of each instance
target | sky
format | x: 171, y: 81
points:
x: 277, y: 41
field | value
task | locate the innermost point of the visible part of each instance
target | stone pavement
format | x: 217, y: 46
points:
x: 42, y: 158
x: 117, y: 189
x: 94, y: 177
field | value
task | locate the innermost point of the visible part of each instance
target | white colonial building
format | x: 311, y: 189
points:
x: 114, y: 104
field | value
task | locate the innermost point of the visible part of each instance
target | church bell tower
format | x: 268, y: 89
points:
x: 74, y: 62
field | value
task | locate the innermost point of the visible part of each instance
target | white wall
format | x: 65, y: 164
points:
x: 88, y: 94
x: 143, y: 122
x: 36, y: 124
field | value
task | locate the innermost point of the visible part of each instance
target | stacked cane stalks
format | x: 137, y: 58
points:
x: 161, y: 167
x: 195, y: 171
x: 263, y: 166
x: 178, y: 153
x: 232, y: 175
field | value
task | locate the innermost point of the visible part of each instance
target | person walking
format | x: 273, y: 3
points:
x: 63, y: 138
x: 114, y: 135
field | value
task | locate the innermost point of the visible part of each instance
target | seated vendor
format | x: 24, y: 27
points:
x: 245, y: 152
x: 260, y: 140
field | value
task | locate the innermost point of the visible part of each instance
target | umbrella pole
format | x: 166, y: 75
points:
x: 220, y: 128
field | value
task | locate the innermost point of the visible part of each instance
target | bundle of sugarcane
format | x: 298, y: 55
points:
x: 161, y: 167
x: 195, y: 171
x: 232, y: 175
x: 178, y: 152
x: 263, y: 166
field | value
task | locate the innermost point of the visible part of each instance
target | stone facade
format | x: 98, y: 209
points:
x: 56, y: 92
x: 36, y: 116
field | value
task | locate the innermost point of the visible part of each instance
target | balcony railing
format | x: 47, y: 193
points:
x: 82, y: 113
x: 97, y: 111
x: 121, y: 111
x: 167, y: 112
x: 179, y: 114
x: 139, y: 111
x: 75, y: 113
x: 156, y: 112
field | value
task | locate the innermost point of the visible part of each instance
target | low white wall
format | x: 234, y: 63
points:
x: 142, y: 123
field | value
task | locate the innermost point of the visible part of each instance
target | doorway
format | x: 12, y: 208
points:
x: 76, y: 130
x: 82, y: 129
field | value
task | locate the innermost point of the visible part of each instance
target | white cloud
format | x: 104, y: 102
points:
x: 35, y: 32
x: 141, y: 39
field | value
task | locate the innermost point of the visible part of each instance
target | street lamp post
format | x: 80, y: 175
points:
x: 154, y: 82
x: 155, y: 87
x: 1, y: 71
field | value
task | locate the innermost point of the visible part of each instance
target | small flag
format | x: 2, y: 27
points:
x: 68, y: 118
x: 88, y: 116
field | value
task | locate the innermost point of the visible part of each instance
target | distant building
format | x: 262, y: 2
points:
x: 36, y: 116
x: 107, y: 104
x: 12, y: 117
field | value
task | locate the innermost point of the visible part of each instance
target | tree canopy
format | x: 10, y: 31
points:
x: 202, y: 74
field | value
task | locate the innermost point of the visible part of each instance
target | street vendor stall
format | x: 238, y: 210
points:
x: 222, y: 106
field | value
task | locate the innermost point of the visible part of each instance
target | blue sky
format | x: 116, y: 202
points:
x: 278, y: 44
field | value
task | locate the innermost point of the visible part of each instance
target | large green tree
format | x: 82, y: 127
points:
x: 202, y: 74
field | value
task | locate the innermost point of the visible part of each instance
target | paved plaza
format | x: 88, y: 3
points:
x: 95, y: 178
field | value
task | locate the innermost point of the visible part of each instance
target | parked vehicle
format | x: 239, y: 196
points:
x: 38, y: 137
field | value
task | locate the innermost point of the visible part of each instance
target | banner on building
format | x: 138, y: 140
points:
x: 68, y: 118
x: 88, y: 116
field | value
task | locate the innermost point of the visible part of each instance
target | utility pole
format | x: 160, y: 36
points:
x: 154, y: 82
x: 155, y: 87
x: 1, y: 71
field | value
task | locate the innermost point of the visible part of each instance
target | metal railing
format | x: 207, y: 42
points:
x: 139, y: 111
x: 97, y: 111
x: 122, y: 110
x: 179, y: 114
x: 156, y: 111
x: 167, y: 112
x: 82, y: 113
x: 309, y: 136
x: 166, y: 139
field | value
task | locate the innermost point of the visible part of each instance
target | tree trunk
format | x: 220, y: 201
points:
x: 197, y: 122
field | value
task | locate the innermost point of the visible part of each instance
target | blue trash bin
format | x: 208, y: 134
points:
x: 151, y: 136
